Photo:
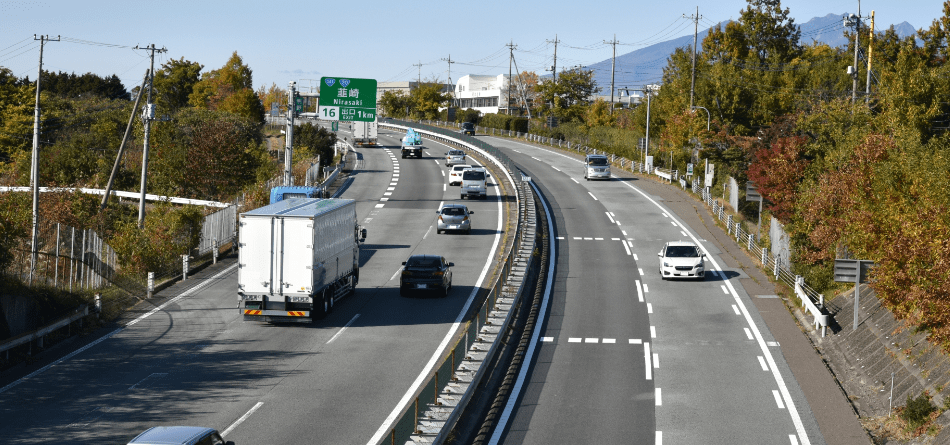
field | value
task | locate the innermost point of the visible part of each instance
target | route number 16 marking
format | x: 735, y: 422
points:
x: 330, y: 113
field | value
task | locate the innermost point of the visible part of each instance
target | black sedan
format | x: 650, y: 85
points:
x: 424, y: 273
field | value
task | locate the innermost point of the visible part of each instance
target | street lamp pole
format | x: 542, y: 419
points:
x: 707, y: 116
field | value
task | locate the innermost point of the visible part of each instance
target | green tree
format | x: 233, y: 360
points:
x: 569, y: 96
x: 16, y: 115
x: 229, y: 89
x: 427, y: 98
x: 394, y: 103
x: 311, y: 141
x: 272, y: 95
x: 174, y: 83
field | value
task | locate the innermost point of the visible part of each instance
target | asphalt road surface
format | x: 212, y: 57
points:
x: 194, y: 361
x: 626, y: 357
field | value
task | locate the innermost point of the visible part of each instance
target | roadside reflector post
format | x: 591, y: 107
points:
x: 151, y: 284
x: 184, y: 266
x: 214, y: 251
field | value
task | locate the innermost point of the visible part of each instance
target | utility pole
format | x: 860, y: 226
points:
x: 448, y: 82
x: 613, y: 66
x: 125, y: 138
x: 857, y: 43
x: 420, y: 71
x: 867, y: 89
x: 554, y: 67
x: 511, y: 56
x: 289, y: 134
x: 148, y: 115
x: 692, y: 85
x: 35, y: 163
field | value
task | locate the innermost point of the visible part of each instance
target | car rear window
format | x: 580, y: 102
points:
x: 453, y: 211
x: 473, y: 175
x: 426, y: 263
x: 459, y: 168
x: 682, y: 252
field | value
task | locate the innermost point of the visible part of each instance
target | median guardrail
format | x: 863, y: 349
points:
x: 437, y: 405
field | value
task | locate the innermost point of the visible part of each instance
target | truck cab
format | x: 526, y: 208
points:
x: 412, y: 144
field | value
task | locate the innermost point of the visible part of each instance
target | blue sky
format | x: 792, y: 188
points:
x: 283, y: 41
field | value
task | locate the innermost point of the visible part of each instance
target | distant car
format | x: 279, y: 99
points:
x: 682, y: 259
x: 454, y: 157
x: 468, y: 128
x: 426, y: 272
x: 179, y: 435
x: 454, y: 217
x: 596, y: 167
x: 455, y: 176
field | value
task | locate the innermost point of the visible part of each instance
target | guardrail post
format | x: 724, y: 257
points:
x: 777, y: 261
x: 415, y: 420
x: 765, y: 258
x: 214, y: 249
x: 729, y: 225
x: 749, y: 247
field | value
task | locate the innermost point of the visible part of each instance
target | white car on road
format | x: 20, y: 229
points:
x: 455, y: 176
x: 682, y: 259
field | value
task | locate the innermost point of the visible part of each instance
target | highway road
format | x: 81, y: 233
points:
x: 625, y: 357
x: 194, y: 361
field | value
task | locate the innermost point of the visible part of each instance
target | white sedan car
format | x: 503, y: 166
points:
x: 682, y: 259
x: 455, y: 176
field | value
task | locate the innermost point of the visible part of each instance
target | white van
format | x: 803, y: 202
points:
x: 596, y: 167
x: 474, y: 183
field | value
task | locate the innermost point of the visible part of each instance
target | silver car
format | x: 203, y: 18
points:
x: 454, y: 217
x: 454, y: 157
x: 596, y: 167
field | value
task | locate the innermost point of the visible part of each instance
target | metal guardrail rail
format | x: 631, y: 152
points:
x: 38, y: 334
x: 438, y: 404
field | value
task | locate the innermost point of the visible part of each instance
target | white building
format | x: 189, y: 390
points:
x: 483, y: 93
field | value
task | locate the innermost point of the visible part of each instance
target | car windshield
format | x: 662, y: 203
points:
x: 423, y: 263
x: 453, y: 211
x: 597, y: 161
x: 468, y: 125
x: 473, y: 175
x: 682, y: 252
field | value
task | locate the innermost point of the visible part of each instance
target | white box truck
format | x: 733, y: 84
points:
x: 297, y: 258
x: 364, y: 133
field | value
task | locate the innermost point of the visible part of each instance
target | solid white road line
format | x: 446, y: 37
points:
x: 427, y: 232
x: 646, y: 359
x: 762, y: 363
x: 572, y: 179
x: 555, y: 168
x: 242, y: 419
x: 396, y: 274
x: 639, y: 291
x: 343, y: 328
x: 592, y: 196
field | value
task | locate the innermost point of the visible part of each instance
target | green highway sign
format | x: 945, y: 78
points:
x: 347, y: 99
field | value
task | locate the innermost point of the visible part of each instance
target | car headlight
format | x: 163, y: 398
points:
x: 665, y: 264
